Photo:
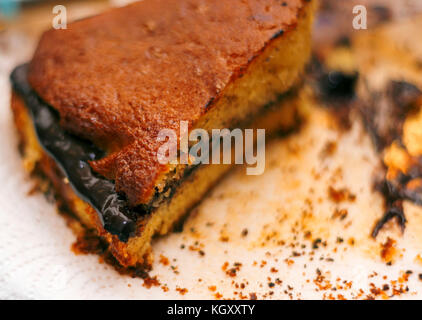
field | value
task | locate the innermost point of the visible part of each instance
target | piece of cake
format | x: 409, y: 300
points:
x: 90, y: 104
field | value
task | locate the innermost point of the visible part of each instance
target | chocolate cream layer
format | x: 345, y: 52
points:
x: 72, y: 155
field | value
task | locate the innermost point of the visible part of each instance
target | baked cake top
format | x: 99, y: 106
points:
x: 117, y: 79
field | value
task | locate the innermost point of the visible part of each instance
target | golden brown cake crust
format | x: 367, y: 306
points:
x: 117, y: 79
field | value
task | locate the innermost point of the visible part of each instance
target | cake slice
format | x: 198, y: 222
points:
x: 90, y: 104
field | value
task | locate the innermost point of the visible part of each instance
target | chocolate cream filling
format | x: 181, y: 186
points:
x: 72, y: 154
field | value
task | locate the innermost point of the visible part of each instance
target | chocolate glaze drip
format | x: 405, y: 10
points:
x: 384, y: 113
x: 72, y: 155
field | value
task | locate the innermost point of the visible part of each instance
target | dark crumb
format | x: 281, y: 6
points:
x: 289, y: 262
x: 253, y: 296
x: 174, y: 268
x: 296, y: 254
x: 182, y: 291
x: 224, y: 239
x: 329, y: 149
x: 244, y: 232
x: 376, y: 291
x: 340, y: 213
x: 271, y: 284
x: 385, y: 287
x: 339, y: 240
x: 316, y: 243
x: 388, y: 250
x: 231, y: 272
x: 340, y: 195
x: 164, y: 260
x: 201, y: 253
x: 151, y: 282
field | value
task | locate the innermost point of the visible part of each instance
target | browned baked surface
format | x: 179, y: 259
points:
x: 119, y: 78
